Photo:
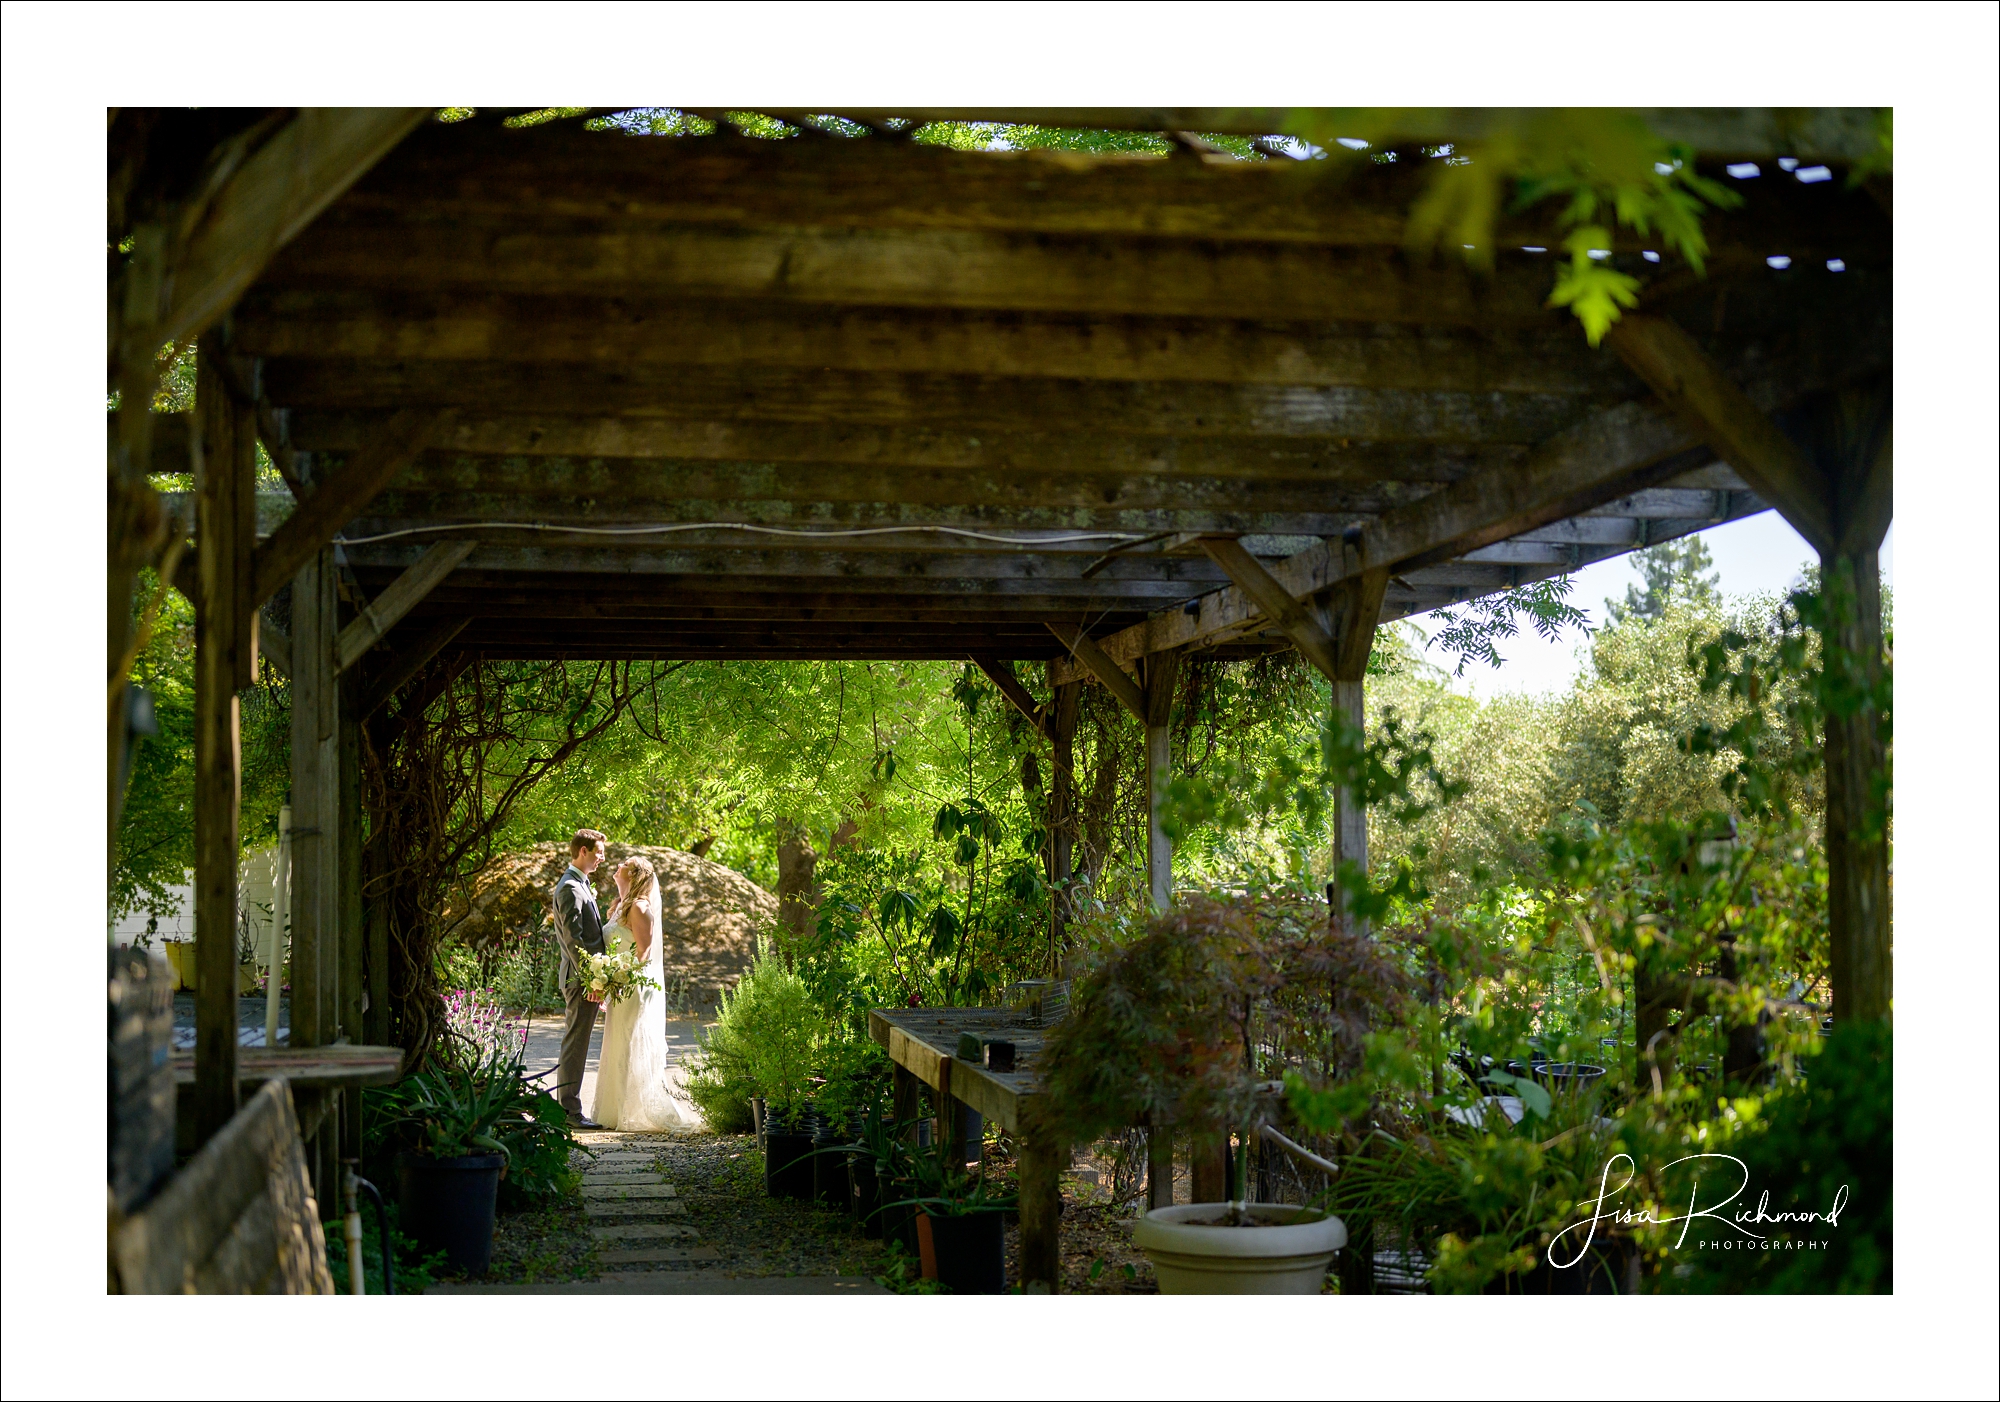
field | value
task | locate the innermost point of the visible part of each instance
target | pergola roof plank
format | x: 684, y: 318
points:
x: 887, y: 400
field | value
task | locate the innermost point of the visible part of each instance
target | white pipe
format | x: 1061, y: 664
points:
x: 281, y: 899
x: 1299, y: 1150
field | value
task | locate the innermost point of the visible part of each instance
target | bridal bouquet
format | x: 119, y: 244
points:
x: 614, y: 975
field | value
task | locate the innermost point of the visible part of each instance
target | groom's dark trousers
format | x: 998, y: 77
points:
x: 579, y: 928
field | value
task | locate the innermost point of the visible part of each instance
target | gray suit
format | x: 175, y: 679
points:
x: 579, y: 926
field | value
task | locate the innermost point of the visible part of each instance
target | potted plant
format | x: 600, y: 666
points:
x: 960, y: 1221
x: 1192, y: 1025
x: 463, y: 1124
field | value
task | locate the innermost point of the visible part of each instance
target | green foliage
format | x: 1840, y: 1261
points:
x: 764, y: 1041
x: 156, y: 828
x: 1471, y: 631
x: 1829, y: 1139
x: 1185, y: 1024
x: 1605, y: 165
x: 416, y: 1270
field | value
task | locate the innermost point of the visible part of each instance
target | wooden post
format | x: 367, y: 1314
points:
x: 1857, y: 854
x: 906, y: 1096
x: 347, y: 924
x: 1062, y: 814
x: 1159, y: 1166
x: 315, y: 805
x: 1161, y: 670
x: 1208, y: 1168
x: 1041, y: 1211
x: 1355, y: 611
x: 1350, y: 830
x: 225, y: 649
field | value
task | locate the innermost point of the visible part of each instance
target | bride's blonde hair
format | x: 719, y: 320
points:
x: 642, y: 884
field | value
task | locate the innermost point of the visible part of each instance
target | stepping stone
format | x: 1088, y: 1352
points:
x: 616, y: 1207
x: 632, y: 1191
x: 658, y: 1255
x: 620, y: 1160
x: 623, y: 1180
x: 642, y: 1231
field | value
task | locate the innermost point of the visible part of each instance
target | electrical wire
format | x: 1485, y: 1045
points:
x: 790, y: 532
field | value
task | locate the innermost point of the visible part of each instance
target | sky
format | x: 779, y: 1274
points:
x: 1758, y: 554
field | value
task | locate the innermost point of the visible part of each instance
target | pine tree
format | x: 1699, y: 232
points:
x: 1673, y: 570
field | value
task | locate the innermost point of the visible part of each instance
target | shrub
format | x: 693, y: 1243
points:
x: 763, y: 1043
x: 1828, y: 1139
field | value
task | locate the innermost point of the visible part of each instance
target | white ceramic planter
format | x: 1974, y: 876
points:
x: 1289, y: 1257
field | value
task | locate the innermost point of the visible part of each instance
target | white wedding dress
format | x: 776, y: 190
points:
x: 636, y: 1088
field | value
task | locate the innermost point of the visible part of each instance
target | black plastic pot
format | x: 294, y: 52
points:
x: 448, y: 1205
x: 899, y: 1222
x: 1608, y: 1268
x: 829, y: 1168
x: 1565, y: 1076
x: 971, y: 1252
x: 864, y: 1194
x: 788, y: 1164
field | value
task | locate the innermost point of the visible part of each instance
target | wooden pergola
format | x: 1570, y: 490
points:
x: 550, y: 392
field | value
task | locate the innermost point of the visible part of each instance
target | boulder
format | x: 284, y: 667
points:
x: 710, y: 916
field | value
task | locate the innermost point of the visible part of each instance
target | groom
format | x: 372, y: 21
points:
x: 579, y: 929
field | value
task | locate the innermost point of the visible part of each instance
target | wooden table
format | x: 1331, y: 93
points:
x: 923, y: 1045
x: 315, y: 1074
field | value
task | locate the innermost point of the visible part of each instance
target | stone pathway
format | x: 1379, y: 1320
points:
x: 645, y: 1241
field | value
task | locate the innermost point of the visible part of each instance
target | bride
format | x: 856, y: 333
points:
x: 636, y: 1089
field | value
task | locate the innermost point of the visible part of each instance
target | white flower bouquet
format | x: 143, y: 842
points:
x: 614, y: 975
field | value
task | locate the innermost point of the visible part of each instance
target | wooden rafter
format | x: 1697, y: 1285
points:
x: 334, y: 502
x: 1278, y: 605
x: 275, y: 194
x: 397, y: 670
x: 1002, y: 674
x: 1608, y: 455
x: 387, y: 609
x: 1116, y: 679
x: 1684, y: 377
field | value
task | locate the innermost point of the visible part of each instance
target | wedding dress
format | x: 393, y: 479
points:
x: 636, y: 1088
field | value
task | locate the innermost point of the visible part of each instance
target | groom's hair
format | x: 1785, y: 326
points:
x: 585, y: 837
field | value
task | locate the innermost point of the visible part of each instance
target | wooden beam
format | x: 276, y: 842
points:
x: 1087, y: 274
x: 998, y: 403
x: 377, y: 617
x: 1024, y: 570
x: 275, y: 644
x: 1612, y: 453
x: 276, y: 193
x: 1115, y: 678
x: 522, y: 441
x: 1357, y: 605
x: 459, y: 326
x: 1003, y: 676
x: 1680, y: 372
x: 397, y: 671
x: 334, y: 502
x: 1870, y: 504
x: 1277, y: 604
